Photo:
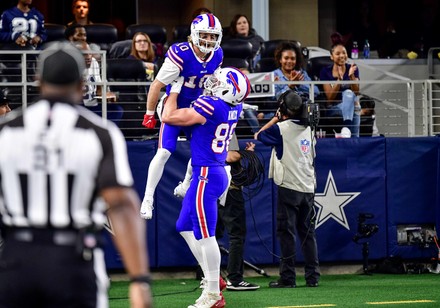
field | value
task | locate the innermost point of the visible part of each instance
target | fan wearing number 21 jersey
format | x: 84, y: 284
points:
x: 212, y: 120
x: 22, y: 25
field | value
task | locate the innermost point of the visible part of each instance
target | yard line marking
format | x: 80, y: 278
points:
x: 401, y: 302
x: 305, y: 306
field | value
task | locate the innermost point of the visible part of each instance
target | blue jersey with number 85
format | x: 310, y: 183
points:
x: 221, y: 120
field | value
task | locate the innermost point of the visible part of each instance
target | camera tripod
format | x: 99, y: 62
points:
x: 365, y: 253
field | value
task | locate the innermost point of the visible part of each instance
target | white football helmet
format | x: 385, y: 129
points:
x: 229, y: 84
x: 206, y: 23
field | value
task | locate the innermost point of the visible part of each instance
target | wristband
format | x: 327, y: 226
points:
x: 141, y: 278
x: 149, y: 112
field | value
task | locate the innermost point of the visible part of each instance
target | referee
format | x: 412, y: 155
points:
x: 61, y: 166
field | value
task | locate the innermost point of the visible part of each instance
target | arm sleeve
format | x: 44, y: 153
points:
x: 204, y: 105
x: 271, y: 136
x: 42, y: 30
x: 168, y: 72
x: 5, y: 35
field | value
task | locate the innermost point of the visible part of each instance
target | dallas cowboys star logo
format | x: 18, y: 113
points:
x: 331, y: 203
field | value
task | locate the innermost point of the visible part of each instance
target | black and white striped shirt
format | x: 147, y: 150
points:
x: 54, y: 159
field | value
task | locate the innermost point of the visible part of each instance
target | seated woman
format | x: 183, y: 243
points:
x: 342, y: 99
x: 142, y: 49
x: 241, y: 28
x: 289, y: 60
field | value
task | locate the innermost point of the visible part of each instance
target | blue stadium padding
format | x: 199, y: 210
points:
x: 396, y: 180
x: 172, y: 249
x: 437, y: 208
x: 412, y: 170
x: 357, y: 167
x: 259, y: 217
x: 139, y: 155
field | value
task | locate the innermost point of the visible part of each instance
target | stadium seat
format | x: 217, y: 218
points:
x: 265, y: 65
x: 236, y: 48
x: 102, y: 34
x: 268, y: 47
x: 181, y: 33
x: 314, y: 66
x: 236, y: 62
x: 120, y: 49
x: 131, y: 98
x: 55, y: 32
x: 157, y: 34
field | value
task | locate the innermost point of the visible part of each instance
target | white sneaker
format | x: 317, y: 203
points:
x: 345, y: 133
x: 180, y: 190
x: 202, y: 296
x: 147, y: 208
x: 210, y: 300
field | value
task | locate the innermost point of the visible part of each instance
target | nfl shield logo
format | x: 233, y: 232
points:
x: 305, y: 146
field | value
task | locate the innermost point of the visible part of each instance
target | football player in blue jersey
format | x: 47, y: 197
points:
x: 212, y: 120
x: 195, y: 61
x: 23, y: 25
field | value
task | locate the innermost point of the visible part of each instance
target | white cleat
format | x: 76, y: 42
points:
x: 146, y: 211
x: 210, y: 300
x: 180, y: 190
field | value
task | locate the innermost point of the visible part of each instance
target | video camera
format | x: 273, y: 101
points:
x: 310, y: 113
x: 299, y: 107
x: 365, y: 230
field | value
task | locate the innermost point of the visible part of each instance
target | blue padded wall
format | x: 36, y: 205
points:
x: 395, y: 179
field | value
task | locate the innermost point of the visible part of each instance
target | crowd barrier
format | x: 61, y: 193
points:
x: 396, y: 180
x: 403, y: 107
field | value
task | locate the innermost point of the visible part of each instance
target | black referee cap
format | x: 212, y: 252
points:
x: 61, y: 63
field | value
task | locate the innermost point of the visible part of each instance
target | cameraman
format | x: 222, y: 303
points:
x: 292, y: 168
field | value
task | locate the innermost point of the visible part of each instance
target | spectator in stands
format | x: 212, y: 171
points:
x: 92, y: 91
x: 80, y: 11
x: 342, y: 99
x: 241, y: 28
x: 75, y: 33
x: 289, y: 59
x: 78, y: 33
x: 22, y: 26
x: 4, y: 109
x: 142, y: 49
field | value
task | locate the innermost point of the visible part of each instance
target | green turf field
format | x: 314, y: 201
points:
x: 354, y: 290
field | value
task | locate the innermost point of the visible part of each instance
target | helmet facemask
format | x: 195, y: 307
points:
x: 202, y: 27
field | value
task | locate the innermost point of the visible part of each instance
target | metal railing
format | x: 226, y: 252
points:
x: 403, y: 107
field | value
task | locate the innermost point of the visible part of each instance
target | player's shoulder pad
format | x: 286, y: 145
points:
x: 209, y: 98
x: 182, y: 47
